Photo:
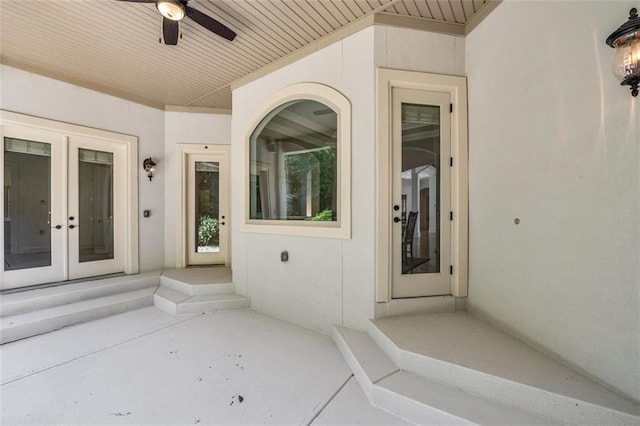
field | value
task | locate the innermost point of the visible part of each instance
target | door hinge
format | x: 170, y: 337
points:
x: 450, y: 269
x: 450, y: 107
x: 450, y: 161
x: 450, y: 215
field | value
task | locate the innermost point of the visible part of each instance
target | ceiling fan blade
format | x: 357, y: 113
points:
x: 210, y: 23
x: 170, y: 31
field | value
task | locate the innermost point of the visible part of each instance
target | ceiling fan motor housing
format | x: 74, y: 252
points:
x: 175, y: 10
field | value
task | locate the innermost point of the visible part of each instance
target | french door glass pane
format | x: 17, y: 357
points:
x: 207, y: 199
x: 27, y: 201
x: 95, y: 216
x: 420, y: 189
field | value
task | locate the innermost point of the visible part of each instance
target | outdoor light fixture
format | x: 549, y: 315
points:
x: 149, y: 167
x: 626, y: 62
x: 171, y: 9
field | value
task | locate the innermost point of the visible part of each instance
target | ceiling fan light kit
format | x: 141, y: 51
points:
x: 171, y: 9
x: 175, y: 10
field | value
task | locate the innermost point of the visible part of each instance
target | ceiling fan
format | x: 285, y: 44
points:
x: 173, y: 11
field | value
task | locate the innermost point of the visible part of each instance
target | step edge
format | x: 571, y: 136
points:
x: 47, y: 325
x: 495, y: 406
x: 164, y: 304
x: 196, y: 289
x: 212, y: 306
x: 51, y: 312
x: 65, y: 294
x: 411, y: 410
x: 350, y: 358
x: 505, y: 386
x: 222, y: 297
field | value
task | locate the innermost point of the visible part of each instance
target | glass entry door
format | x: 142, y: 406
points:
x: 63, y: 217
x: 421, y: 237
x: 33, y: 209
x: 207, y: 216
x: 96, y: 209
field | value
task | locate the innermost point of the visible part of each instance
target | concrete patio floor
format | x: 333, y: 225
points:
x: 149, y: 367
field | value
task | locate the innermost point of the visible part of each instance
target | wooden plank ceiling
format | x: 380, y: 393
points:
x: 113, y: 46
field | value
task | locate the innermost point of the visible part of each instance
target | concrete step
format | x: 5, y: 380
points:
x: 416, y: 398
x: 21, y: 302
x: 199, y: 281
x: 462, y: 352
x: 177, y: 303
x: 32, y: 323
x: 198, y: 290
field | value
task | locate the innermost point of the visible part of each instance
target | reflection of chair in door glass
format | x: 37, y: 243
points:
x: 407, y: 237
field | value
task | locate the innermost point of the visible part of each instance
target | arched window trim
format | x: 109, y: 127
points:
x: 341, y: 228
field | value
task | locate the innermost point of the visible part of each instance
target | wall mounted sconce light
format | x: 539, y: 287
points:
x: 626, y: 62
x: 149, y: 167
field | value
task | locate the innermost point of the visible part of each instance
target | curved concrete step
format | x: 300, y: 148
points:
x: 463, y: 352
x: 177, y: 303
x: 416, y: 398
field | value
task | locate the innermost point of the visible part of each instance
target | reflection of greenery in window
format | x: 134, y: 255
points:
x: 207, y: 206
x: 293, y: 164
x: 310, y: 183
x: 208, y: 231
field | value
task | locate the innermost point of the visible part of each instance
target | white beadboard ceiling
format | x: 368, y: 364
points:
x: 113, y: 46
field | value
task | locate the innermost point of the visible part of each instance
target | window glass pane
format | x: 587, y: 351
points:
x: 293, y: 164
x: 27, y: 200
x: 420, y: 188
x: 95, y: 216
x: 207, y: 208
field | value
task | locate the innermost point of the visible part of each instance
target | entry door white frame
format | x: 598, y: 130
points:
x: 217, y: 153
x: 456, y: 87
x: 63, y: 132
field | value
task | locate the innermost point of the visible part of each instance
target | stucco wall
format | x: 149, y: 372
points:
x: 554, y: 141
x: 329, y: 281
x: 187, y: 128
x: 31, y: 94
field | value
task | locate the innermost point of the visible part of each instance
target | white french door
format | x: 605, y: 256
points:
x: 421, y: 193
x: 207, y: 217
x: 64, y: 202
x: 96, y: 207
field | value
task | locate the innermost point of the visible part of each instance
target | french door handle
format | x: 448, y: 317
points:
x: 58, y: 226
x: 71, y: 226
x: 396, y: 219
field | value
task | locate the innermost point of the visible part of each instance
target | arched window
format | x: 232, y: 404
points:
x: 299, y: 159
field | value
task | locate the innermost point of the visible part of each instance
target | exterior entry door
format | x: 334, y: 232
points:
x: 207, y: 209
x: 63, y: 215
x: 96, y: 212
x: 421, y: 236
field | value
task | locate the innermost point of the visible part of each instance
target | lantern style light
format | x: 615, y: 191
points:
x: 626, y: 62
x: 149, y: 166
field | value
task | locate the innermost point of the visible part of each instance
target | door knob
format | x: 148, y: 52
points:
x: 58, y: 226
x: 396, y: 219
x: 71, y: 217
x: 71, y: 226
x: 396, y: 207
